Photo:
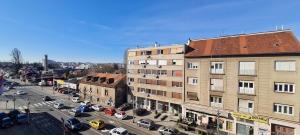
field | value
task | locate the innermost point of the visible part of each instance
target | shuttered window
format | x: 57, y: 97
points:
x: 216, y: 84
x: 247, y: 68
x: 285, y: 65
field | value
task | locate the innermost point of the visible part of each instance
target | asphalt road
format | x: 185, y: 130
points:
x: 46, y: 120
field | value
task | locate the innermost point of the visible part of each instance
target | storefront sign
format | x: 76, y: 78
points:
x: 250, y: 117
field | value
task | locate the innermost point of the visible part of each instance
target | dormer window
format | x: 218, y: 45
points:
x: 110, y: 80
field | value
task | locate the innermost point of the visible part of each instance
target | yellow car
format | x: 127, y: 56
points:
x: 97, y: 124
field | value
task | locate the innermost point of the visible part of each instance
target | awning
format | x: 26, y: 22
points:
x: 206, y: 110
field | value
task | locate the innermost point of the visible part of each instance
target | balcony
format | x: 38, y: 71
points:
x: 247, y: 91
x: 217, y: 105
x: 245, y: 110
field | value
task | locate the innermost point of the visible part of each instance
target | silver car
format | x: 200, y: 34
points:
x: 168, y: 131
x: 146, y: 123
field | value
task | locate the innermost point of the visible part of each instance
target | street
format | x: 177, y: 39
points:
x: 46, y: 120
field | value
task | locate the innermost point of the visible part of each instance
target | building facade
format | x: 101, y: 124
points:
x: 248, y: 84
x: 155, y: 77
x: 103, y: 88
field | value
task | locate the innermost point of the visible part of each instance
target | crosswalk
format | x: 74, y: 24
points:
x: 46, y: 103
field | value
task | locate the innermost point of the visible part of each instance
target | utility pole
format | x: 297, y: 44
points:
x: 218, y: 116
x: 133, y: 107
x: 6, y: 104
x: 14, y: 99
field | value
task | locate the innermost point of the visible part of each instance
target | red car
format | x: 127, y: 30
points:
x: 110, y: 111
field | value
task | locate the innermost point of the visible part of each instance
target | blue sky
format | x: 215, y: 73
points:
x: 100, y: 30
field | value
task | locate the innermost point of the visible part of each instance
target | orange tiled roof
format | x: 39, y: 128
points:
x: 116, y: 79
x: 268, y: 43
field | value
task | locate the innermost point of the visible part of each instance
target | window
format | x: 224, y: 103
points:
x: 246, y: 87
x: 285, y: 65
x: 217, y: 68
x: 160, y: 51
x: 246, y: 106
x: 176, y: 84
x: 152, y: 62
x: 130, y: 71
x: 162, y: 82
x: 161, y: 93
x: 131, y: 53
x: 177, y: 62
x: 229, y: 126
x: 142, y: 62
x: 192, y: 80
x: 216, y: 101
x: 176, y: 95
x: 130, y: 79
x: 177, y: 73
x: 192, y: 65
x: 130, y: 62
x: 97, y: 91
x: 216, y: 84
x: 192, y: 96
x: 146, y: 53
x: 162, y: 62
x: 283, y: 109
x: 106, y: 93
x: 247, y: 68
x: 162, y: 72
x: 284, y: 87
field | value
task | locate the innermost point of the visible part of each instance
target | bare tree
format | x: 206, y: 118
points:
x: 16, y: 56
x: 16, y: 60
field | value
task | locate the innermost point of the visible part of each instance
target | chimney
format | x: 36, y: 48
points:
x: 46, y: 63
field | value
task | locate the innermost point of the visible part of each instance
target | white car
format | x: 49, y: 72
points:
x: 75, y: 99
x: 58, y: 105
x: 120, y: 115
x: 87, y: 103
x: 98, y: 107
x: 118, y: 131
x: 21, y: 92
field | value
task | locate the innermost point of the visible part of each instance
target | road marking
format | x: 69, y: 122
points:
x: 40, y: 104
x: 20, y: 108
x: 25, y: 106
x: 44, y: 103
x: 36, y: 105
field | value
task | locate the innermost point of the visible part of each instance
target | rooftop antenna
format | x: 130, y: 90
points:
x: 276, y: 27
x: 281, y: 27
x: 189, y: 41
x: 155, y: 44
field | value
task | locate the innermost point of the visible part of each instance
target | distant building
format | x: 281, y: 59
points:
x: 103, y: 88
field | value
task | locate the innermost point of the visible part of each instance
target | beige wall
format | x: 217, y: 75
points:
x: 101, y: 92
x: 166, y: 56
x: 264, y: 96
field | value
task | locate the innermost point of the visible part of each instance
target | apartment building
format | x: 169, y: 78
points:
x: 250, y: 81
x: 155, y: 77
x: 104, y: 88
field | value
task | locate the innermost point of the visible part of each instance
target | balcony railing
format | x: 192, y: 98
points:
x: 245, y: 110
x: 218, y: 105
x: 250, y: 91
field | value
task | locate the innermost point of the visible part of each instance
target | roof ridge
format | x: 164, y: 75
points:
x: 248, y: 34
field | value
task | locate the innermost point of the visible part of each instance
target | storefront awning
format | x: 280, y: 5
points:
x: 206, y: 110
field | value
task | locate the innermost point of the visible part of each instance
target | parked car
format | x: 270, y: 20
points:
x: 6, y: 122
x: 84, y: 108
x: 22, y: 118
x: 98, y: 108
x: 146, y: 123
x: 125, y: 107
x: 121, y: 115
x: 97, y: 124
x: 58, y: 105
x: 13, y: 114
x: 2, y: 115
x: 21, y: 92
x: 86, y: 102
x: 110, y: 111
x: 168, y: 131
x: 73, y: 124
x: 47, y: 98
x: 76, y: 112
x: 75, y: 99
x: 139, y: 111
x: 118, y: 131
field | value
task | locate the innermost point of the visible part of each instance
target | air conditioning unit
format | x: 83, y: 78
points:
x: 157, y: 76
x: 129, y: 83
x: 144, y: 75
x: 148, y: 56
x: 159, y: 66
x: 144, y: 66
